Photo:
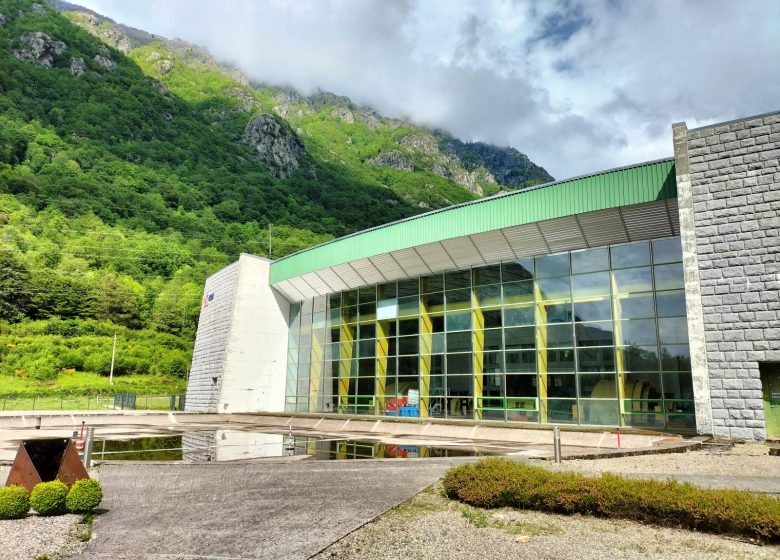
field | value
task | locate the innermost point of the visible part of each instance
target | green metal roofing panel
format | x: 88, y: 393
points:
x: 609, y: 189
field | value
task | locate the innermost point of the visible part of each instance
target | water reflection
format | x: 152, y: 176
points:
x: 233, y: 445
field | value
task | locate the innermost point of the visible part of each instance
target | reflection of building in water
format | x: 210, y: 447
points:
x: 199, y: 446
x: 644, y: 296
x: 229, y: 445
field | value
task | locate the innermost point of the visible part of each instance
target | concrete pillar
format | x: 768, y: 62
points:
x: 693, y: 305
x: 256, y: 353
x: 240, y: 355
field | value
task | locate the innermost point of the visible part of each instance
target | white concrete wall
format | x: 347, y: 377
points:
x: 256, y: 350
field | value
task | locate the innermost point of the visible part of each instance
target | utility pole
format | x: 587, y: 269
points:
x: 269, y: 241
x: 113, y: 355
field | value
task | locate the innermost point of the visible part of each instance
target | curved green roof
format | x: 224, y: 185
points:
x: 625, y: 186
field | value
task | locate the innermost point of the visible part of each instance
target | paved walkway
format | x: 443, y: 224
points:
x: 268, y: 509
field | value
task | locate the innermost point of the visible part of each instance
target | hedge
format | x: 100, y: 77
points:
x: 48, y: 498
x: 84, y: 496
x: 14, y: 502
x: 503, y: 483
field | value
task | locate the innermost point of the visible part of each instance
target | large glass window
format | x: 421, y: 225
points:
x: 596, y: 337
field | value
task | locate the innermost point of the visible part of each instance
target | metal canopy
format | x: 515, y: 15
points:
x: 416, y: 242
x: 591, y: 229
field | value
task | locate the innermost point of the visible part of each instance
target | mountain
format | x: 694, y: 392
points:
x: 329, y: 124
x: 132, y: 166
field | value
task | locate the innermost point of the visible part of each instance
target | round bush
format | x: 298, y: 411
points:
x: 14, y: 502
x: 84, y: 496
x: 48, y: 498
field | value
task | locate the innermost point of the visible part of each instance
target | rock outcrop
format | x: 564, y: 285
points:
x: 105, y: 62
x: 2, y: 20
x: 275, y: 145
x: 447, y: 166
x: 509, y: 166
x: 423, y: 143
x: 393, y: 160
x: 121, y: 37
x: 289, y: 102
x: 472, y: 180
x: 245, y: 101
x: 369, y: 117
x: 164, y: 66
x: 343, y: 114
x: 77, y: 66
x: 39, y: 48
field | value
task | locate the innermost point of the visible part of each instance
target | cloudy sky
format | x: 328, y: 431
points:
x: 578, y: 86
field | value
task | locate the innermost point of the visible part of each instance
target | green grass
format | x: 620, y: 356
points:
x: 84, y: 527
x: 82, y: 385
x: 476, y: 517
x: 83, y: 402
x: 481, y: 519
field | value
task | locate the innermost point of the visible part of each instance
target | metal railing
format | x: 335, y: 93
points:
x: 120, y: 401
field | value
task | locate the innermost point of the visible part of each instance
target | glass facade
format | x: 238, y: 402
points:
x: 592, y: 337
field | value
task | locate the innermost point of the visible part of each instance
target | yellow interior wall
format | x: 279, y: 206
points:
x: 426, y: 328
x: 315, y: 368
x: 541, y: 352
x: 345, y: 363
x: 380, y: 386
x: 620, y: 363
x: 478, y: 342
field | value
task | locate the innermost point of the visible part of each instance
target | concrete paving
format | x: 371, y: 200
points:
x: 274, y: 509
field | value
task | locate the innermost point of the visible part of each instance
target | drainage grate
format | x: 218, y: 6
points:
x: 717, y: 446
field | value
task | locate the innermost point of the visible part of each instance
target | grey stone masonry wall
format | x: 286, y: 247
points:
x: 735, y: 186
x: 208, y: 356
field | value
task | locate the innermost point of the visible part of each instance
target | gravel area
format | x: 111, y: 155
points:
x: 33, y: 536
x: 744, y: 460
x: 430, y: 526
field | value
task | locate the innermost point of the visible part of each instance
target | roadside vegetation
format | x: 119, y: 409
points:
x: 56, y: 358
x: 495, y: 483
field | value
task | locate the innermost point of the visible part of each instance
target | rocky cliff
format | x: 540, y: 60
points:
x: 508, y: 166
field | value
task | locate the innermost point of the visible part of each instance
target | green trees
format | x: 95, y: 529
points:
x: 122, y: 189
x: 14, y: 286
x: 177, y: 306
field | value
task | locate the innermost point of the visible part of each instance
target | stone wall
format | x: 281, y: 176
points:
x: 735, y: 190
x: 208, y: 357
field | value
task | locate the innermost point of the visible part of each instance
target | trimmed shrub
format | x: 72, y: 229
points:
x: 501, y: 483
x: 48, y: 498
x: 84, y: 496
x: 14, y: 502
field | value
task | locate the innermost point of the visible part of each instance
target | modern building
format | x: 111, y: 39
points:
x: 646, y: 296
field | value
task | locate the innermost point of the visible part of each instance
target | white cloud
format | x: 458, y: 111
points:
x: 578, y: 86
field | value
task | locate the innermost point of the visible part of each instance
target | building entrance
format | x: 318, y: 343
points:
x: 770, y: 382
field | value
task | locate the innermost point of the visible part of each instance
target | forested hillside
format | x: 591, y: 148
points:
x: 131, y: 167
